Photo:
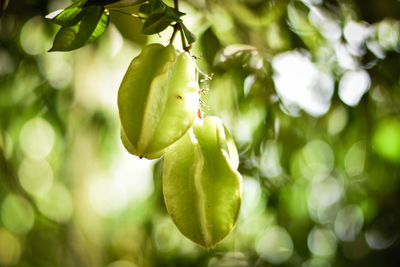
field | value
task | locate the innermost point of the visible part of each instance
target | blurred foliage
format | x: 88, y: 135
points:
x: 310, y: 90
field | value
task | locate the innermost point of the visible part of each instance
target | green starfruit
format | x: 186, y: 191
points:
x: 157, y: 100
x: 201, y: 184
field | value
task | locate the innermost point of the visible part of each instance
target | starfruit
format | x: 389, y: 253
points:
x: 201, y: 184
x: 157, y: 100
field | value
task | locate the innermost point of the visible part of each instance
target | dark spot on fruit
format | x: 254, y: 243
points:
x: 179, y: 97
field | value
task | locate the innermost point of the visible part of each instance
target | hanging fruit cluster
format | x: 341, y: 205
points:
x: 158, y: 103
x: 159, y: 109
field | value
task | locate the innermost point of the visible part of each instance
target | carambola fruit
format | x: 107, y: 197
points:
x: 201, y: 184
x: 157, y: 100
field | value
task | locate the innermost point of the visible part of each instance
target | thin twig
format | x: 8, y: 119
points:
x: 178, y: 27
x: 125, y: 13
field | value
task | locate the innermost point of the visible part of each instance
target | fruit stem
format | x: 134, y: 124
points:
x: 178, y: 27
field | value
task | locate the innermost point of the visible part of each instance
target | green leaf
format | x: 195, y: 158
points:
x: 145, y: 10
x: 190, y: 37
x: 153, y: 7
x: 100, y: 27
x: 79, y: 3
x: 155, y: 24
x: 67, y: 17
x: 92, y: 25
x: 124, y: 3
x: 173, y: 14
x: 158, y: 16
x: 157, y: 6
x: 100, y: 2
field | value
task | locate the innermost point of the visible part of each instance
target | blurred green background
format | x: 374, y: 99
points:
x: 310, y: 91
